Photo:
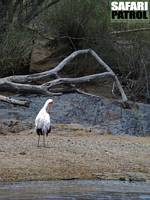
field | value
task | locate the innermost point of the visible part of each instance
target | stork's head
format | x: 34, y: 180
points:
x: 48, y: 105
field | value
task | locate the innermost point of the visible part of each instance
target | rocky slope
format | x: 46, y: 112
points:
x: 100, y: 114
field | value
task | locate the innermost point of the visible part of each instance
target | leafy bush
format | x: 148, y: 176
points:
x: 14, y: 52
x: 86, y: 24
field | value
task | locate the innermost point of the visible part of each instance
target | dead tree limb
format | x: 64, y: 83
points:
x: 101, y: 62
x: 83, y: 79
x: 37, y: 11
x: 8, y: 85
x: 14, y: 101
x: 25, y: 83
x: 130, y: 31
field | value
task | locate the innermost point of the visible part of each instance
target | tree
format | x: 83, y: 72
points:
x: 21, y: 12
x: 24, y: 83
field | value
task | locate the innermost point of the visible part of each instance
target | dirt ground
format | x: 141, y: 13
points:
x: 74, y: 153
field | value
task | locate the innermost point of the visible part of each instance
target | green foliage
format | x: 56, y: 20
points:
x: 14, y: 52
x: 87, y: 24
x: 81, y: 24
x: 77, y: 18
x: 78, y: 24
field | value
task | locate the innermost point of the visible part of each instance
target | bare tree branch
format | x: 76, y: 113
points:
x: 130, y: 31
x: 83, y: 79
x: 147, y: 80
x: 7, y: 85
x: 25, y: 83
x: 35, y: 13
x: 100, y: 61
x: 14, y: 101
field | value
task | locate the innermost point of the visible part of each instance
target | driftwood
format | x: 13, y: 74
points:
x: 14, y: 101
x: 26, y: 83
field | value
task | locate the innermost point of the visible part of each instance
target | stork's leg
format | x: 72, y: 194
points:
x: 44, y: 140
x: 38, y: 140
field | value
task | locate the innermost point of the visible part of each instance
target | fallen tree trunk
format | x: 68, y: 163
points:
x: 25, y: 83
x: 14, y: 101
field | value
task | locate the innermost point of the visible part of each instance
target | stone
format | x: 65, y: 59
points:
x: 96, y: 113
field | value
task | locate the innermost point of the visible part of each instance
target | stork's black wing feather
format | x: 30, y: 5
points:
x: 48, y: 131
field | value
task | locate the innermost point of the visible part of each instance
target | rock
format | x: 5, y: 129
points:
x: 100, y: 114
x: 44, y: 58
x: 22, y: 153
x: 39, y: 57
x: 136, y: 176
x: 127, y: 176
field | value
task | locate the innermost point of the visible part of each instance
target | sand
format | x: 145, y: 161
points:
x: 74, y: 153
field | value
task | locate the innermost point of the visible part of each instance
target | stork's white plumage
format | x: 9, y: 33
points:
x: 43, y: 121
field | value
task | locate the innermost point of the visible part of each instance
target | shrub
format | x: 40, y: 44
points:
x: 15, y: 49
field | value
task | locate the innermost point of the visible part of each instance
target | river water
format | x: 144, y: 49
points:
x: 75, y: 190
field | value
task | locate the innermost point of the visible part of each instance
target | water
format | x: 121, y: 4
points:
x: 75, y: 190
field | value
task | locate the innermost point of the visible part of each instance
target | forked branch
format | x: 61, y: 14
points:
x: 25, y: 83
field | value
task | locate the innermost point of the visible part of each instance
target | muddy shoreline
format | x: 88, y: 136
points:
x: 74, y: 153
x: 75, y: 190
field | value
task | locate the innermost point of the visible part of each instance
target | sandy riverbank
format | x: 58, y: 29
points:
x: 74, y: 153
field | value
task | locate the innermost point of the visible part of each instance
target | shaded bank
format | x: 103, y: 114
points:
x: 107, y: 116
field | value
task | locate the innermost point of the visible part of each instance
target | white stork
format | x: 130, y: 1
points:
x: 43, y: 122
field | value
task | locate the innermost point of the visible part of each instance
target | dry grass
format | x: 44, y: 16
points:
x: 74, y: 153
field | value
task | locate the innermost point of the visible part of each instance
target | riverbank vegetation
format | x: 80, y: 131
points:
x: 64, y: 26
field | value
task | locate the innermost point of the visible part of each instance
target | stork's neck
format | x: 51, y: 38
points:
x: 45, y: 108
